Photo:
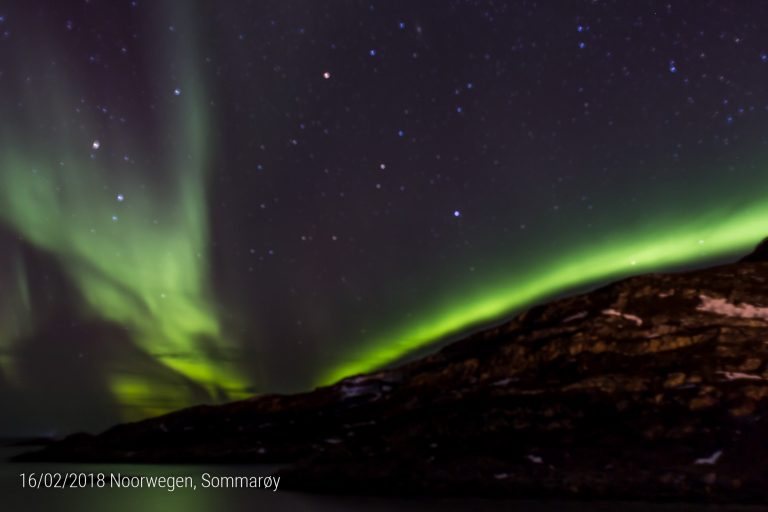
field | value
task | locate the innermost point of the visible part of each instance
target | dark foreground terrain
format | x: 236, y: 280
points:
x: 652, y: 388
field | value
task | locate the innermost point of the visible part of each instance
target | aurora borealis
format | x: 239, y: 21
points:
x: 145, y: 266
x: 204, y: 200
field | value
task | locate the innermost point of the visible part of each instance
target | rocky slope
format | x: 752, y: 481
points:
x: 654, y: 387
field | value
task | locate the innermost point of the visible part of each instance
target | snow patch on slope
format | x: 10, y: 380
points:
x: 632, y: 318
x: 725, y: 308
x: 740, y: 376
x: 577, y: 316
x: 712, y: 459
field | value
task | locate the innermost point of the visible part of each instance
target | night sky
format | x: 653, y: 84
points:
x: 204, y: 200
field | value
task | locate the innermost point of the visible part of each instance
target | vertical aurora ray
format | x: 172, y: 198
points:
x: 15, y: 313
x: 140, y: 260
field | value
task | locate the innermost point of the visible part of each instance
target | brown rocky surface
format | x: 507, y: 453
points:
x: 654, y: 387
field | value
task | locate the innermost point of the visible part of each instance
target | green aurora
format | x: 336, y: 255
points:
x: 716, y: 234
x: 140, y: 261
x: 144, y: 263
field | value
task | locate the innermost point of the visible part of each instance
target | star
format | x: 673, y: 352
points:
x: 96, y: 144
x: 326, y: 75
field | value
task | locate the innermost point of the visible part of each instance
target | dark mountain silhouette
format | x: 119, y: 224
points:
x: 759, y: 254
x: 652, y: 388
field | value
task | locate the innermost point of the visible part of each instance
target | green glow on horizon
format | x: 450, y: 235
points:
x: 717, y: 234
x: 148, y: 270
